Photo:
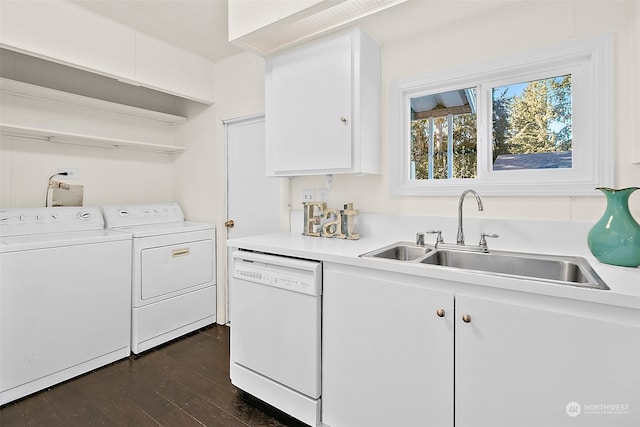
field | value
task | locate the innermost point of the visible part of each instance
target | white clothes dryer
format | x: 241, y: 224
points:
x: 65, y: 296
x: 174, y: 271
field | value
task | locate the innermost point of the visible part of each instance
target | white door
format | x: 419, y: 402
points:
x: 254, y: 200
x: 256, y: 204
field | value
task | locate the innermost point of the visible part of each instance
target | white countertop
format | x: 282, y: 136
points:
x: 624, y: 282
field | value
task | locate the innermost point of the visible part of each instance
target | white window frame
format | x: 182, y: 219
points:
x: 590, y: 63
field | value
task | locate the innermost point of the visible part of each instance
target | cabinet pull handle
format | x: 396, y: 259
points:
x: 180, y: 252
x: 440, y: 312
x: 466, y: 318
x: 343, y: 119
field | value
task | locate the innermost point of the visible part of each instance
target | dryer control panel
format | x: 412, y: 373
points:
x: 133, y: 215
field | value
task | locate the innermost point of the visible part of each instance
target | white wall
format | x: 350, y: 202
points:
x: 240, y: 91
x: 109, y: 176
x: 498, y: 33
x: 200, y: 178
x: 199, y: 183
x: 197, y: 178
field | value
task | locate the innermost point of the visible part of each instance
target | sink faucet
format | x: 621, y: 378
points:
x: 460, y: 246
x: 460, y: 238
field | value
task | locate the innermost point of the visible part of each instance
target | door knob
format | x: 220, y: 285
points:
x: 229, y: 223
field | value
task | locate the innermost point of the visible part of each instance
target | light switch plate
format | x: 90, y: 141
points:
x: 308, y: 195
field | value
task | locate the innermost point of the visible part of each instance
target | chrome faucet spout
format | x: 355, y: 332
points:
x: 460, y: 237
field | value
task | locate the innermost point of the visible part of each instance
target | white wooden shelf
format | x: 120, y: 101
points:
x: 28, y: 90
x: 67, y: 118
x: 85, y: 140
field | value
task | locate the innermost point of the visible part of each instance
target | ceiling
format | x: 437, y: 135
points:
x: 200, y: 26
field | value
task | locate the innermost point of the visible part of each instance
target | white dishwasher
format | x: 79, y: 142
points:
x: 275, y: 305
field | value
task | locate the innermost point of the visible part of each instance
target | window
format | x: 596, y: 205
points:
x: 539, y: 123
x: 531, y: 124
x: 443, y: 135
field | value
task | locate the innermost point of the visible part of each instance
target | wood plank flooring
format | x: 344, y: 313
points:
x: 183, y: 383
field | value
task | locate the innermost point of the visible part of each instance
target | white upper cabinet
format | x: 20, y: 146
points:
x: 323, y: 107
x: 67, y: 34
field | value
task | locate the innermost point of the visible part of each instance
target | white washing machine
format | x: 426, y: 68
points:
x: 174, y: 271
x: 65, y: 296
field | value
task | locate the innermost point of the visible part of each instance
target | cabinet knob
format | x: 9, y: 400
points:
x: 229, y: 223
x: 466, y: 318
x: 440, y: 312
x: 343, y: 119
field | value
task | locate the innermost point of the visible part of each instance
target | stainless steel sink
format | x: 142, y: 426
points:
x: 400, y: 251
x: 570, y: 270
x: 567, y: 270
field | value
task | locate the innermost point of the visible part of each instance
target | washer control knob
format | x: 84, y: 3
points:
x: 84, y: 215
x: 123, y: 213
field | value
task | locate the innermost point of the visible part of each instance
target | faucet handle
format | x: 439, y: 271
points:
x: 483, y: 240
x: 419, y: 239
x: 439, y: 238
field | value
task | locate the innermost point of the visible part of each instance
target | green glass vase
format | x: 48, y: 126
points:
x: 615, y: 238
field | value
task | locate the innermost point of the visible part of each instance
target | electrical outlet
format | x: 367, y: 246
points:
x: 308, y: 195
x: 323, y: 195
x: 72, y: 173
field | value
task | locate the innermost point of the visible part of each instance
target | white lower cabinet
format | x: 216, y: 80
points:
x: 387, y: 358
x: 516, y: 359
x: 545, y: 362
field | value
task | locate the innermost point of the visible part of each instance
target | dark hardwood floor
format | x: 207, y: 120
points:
x: 182, y: 383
